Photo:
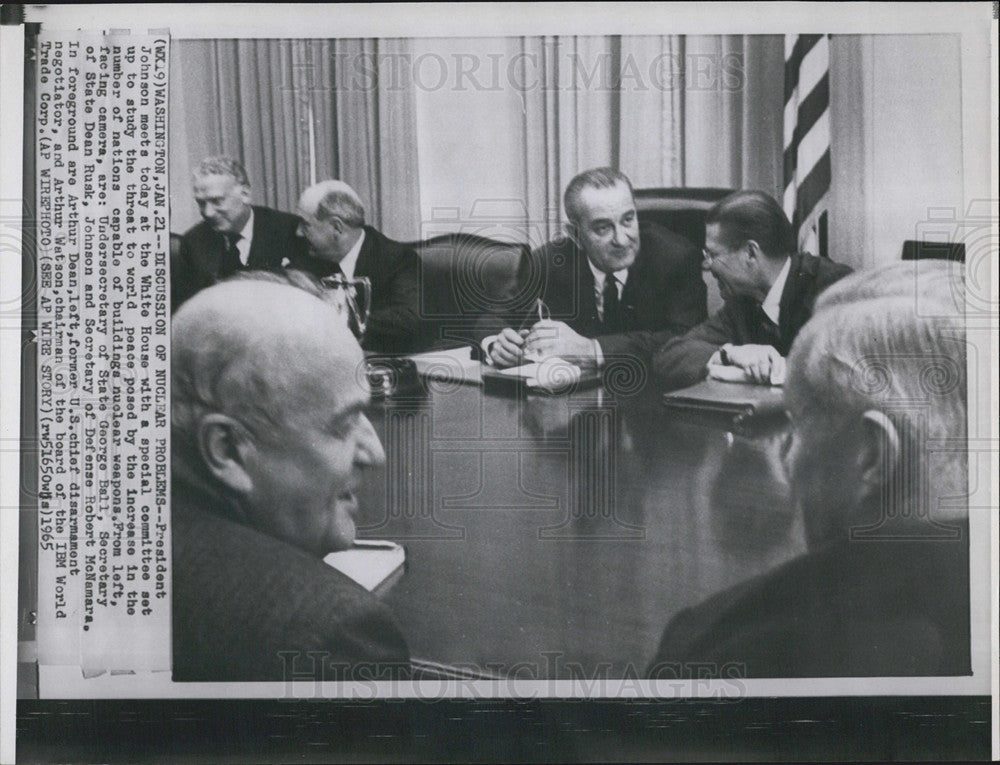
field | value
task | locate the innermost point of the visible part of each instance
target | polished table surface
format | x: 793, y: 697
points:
x: 555, y: 536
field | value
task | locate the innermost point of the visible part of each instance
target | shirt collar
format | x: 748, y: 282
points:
x: 350, y: 260
x: 772, y: 303
x: 246, y: 240
x: 247, y: 231
x: 621, y: 276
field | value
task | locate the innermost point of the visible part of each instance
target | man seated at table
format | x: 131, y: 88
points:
x: 233, y: 234
x: 768, y: 288
x: 339, y: 243
x: 875, y: 378
x: 269, y: 443
x: 607, y: 287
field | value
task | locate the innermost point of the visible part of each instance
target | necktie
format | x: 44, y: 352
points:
x: 769, y: 333
x: 612, y: 308
x: 231, y: 262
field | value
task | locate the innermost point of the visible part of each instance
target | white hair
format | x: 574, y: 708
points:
x: 892, y: 340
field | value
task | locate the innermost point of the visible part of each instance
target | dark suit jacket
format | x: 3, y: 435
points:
x: 394, y: 271
x: 664, y: 294
x: 198, y: 264
x: 681, y: 361
x: 241, y: 598
x: 855, y: 609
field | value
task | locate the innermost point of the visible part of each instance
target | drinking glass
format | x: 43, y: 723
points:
x: 352, y: 297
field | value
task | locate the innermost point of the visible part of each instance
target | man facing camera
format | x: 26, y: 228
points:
x: 608, y: 287
x: 340, y: 244
x: 233, y: 234
x: 270, y: 442
x: 768, y: 288
x: 876, y: 385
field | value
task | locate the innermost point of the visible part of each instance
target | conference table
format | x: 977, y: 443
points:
x: 554, y: 536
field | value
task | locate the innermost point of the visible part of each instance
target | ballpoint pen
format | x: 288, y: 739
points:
x: 543, y: 314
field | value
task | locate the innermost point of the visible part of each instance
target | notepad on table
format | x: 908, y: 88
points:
x: 741, y: 408
x: 375, y: 564
x: 554, y: 375
x: 452, y: 365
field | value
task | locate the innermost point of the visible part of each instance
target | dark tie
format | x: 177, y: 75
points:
x: 769, y: 332
x: 612, y: 308
x: 231, y: 262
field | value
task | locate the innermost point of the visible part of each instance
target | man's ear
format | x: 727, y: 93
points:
x: 223, y: 444
x: 245, y: 194
x: 753, y: 251
x: 879, y: 453
x: 571, y: 232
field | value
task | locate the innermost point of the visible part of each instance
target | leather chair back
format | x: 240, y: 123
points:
x: 920, y: 250
x: 680, y: 210
x: 683, y: 211
x: 463, y: 277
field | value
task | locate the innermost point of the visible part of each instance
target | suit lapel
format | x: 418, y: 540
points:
x: 366, y: 256
x: 637, y: 281
x: 259, y: 244
x: 585, y: 288
x: 790, y: 305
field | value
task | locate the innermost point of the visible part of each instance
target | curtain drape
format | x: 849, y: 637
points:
x: 695, y: 110
x: 666, y: 110
x: 297, y: 111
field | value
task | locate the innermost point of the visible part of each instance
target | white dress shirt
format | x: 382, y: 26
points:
x: 350, y: 261
x: 245, y: 240
x: 772, y: 303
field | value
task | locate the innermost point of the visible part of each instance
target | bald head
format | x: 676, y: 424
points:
x: 332, y: 219
x: 254, y: 349
x: 328, y: 199
x: 268, y: 410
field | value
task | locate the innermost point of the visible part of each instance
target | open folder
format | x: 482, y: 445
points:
x: 375, y: 564
x: 738, y: 407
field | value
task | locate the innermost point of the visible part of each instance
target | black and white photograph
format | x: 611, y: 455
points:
x: 499, y: 382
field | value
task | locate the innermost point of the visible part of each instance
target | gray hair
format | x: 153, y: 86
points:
x: 222, y: 166
x: 890, y: 339
x: 596, y: 178
x: 746, y: 215
x: 224, y: 365
x: 339, y: 203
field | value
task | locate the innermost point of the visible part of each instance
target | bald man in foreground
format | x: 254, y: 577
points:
x: 339, y: 243
x: 270, y: 441
x: 876, y: 392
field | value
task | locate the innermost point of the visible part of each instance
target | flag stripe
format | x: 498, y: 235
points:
x: 814, y: 106
x: 811, y: 148
x: 813, y: 188
x: 814, y: 65
x: 809, y: 112
x: 803, y: 44
x: 823, y: 224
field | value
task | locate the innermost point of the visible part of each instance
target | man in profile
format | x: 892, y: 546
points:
x: 768, y: 287
x: 270, y: 441
x: 876, y: 379
x: 340, y: 244
x: 233, y: 234
x: 609, y: 288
